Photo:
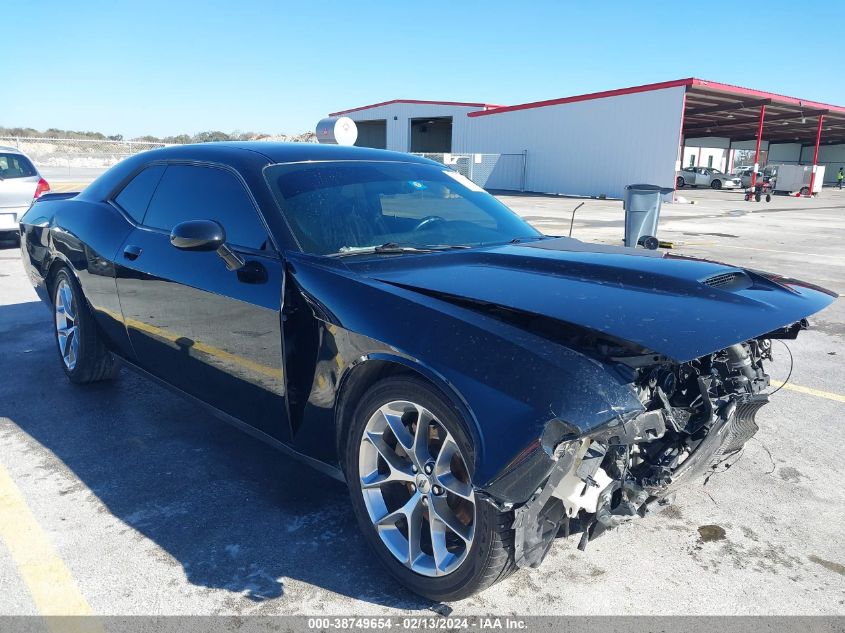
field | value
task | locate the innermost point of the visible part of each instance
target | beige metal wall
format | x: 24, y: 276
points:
x: 592, y: 147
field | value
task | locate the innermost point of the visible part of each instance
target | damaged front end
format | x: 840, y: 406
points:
x: 695, y: 414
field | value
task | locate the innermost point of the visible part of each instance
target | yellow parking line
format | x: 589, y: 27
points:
x: 809, y: 391
x: 64, y: 187
x: 49, y: 581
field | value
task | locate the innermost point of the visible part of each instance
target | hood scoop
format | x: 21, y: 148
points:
x: 731, y: 280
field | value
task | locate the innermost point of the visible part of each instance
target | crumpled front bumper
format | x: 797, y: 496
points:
x: 537, y: 522
x: 576, y: 481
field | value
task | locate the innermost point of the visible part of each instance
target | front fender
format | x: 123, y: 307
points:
x: 431, y: 375
x: 510, y: 382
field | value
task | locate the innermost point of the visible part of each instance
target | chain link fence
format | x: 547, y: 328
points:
x: 84, y: 160
x: 80, y: 158
x: 490, y: 171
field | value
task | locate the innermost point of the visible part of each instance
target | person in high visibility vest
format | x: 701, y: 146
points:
x: 840, y: 177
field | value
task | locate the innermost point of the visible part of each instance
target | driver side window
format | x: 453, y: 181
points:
x: 190, y: 192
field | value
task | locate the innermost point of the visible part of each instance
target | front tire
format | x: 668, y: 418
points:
x: 679, y: 183
x: 409, y: 465
x: 82, y: 354
x: 716, y: 184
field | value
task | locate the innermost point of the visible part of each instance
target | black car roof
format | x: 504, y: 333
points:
x: 243, y: 155
x: 287, y: 152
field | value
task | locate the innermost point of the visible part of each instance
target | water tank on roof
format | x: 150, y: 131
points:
x: 337, y: 131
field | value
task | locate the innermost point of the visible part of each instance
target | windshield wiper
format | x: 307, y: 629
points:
x: 394, y: 248
x: 518, y: 240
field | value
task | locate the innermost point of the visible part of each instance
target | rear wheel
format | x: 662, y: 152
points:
x: 679, y: 182
x: 408, y: 464
x: 805, y: 191
x: 83, y: 356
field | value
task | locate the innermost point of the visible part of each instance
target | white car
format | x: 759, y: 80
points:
x: 20, y: 184
x: 706, y: 177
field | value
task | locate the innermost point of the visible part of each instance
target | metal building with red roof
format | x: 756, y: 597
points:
x: 594, y: 144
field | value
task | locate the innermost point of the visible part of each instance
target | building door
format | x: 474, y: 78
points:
x: 431, y: 135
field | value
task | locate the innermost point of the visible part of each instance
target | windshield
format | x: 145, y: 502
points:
x: 346, y: 206
x: 15, y: 166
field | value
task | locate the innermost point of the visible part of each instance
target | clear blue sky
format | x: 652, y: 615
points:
x: 166, y: 67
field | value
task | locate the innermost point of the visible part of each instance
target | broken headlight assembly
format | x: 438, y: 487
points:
x: 694, y: 415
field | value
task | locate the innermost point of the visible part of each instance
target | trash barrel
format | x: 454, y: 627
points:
x: 642, y: 212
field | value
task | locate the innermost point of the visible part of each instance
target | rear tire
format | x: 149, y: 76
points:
x: 679, y: 182
x: 82, y: 354
x: 473, y: 567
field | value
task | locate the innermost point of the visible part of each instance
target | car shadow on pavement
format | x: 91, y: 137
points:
x: 235, y: 513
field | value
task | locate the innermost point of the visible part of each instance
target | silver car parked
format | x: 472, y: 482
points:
x: 20, y: 184
x: 706, y: 177
x: 746, y: 175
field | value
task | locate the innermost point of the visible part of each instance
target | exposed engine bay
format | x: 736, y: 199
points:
x: 696, y: 415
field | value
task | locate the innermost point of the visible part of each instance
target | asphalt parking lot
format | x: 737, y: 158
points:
x: 130, y: 500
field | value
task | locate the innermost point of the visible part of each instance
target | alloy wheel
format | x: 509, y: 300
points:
x: 66, y: 324
x: 417, y: 488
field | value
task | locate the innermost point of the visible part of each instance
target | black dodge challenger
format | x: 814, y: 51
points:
x: 481, y: 387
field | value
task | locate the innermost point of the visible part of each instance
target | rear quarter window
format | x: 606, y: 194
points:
x: 135, y: 197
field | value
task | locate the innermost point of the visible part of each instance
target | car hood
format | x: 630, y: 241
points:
x: 680, y: 307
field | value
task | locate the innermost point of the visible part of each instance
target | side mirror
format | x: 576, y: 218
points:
x: 198, y: 235
x: 205, y: 235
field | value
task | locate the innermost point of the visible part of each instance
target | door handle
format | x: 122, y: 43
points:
x: 131, y: 252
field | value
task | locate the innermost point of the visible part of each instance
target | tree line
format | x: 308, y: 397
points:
x: 201, y: 137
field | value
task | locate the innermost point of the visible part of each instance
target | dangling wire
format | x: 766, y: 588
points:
x: 791, y: 365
